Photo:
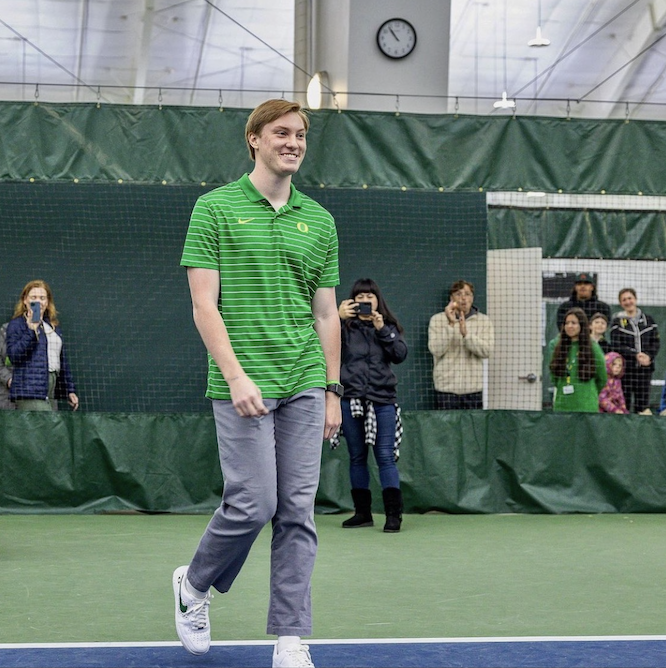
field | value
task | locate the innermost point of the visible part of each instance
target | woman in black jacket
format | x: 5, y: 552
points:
x: 635, y: 335
x: 371, y: 341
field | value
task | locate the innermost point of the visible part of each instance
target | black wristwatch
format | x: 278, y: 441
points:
x: 336, y: 388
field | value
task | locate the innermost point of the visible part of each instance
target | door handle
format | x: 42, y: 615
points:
x: 530, y: 378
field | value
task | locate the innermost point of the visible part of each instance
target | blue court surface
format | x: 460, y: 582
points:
x: 597, y: 652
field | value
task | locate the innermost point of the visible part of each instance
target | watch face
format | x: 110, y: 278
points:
x: 396, y: 38
x: 336, y: 388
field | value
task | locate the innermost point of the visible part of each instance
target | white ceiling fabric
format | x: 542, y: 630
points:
x: 124, y: 51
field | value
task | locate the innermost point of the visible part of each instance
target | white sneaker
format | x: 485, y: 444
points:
x: 293, y: 657
x: 192, y: 622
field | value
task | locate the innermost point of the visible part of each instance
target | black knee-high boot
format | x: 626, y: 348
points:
x: 393, y: 508
x: 363, y: 509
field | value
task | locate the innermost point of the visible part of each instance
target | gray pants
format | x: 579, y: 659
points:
x: 271, y: 470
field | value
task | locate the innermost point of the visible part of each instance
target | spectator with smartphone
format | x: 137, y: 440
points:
x: 5, y: 372
x: 372, y: 340
x: 35, y: 347
x: 460, y: 338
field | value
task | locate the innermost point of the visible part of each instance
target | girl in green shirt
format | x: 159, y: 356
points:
x: 577, y: 366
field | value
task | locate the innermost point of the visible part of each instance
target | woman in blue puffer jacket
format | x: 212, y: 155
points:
x: 35, y: 348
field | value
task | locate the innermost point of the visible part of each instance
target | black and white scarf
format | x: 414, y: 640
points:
x: 365, y: 409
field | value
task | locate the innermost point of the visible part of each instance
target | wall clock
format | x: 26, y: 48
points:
x: 396, y: 38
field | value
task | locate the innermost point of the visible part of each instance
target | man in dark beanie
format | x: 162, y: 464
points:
x: 583, y: 295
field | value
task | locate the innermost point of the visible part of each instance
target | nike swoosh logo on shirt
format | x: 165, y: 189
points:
x: 242, y: 222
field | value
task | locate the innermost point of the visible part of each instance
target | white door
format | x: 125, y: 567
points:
x: 514, y: 305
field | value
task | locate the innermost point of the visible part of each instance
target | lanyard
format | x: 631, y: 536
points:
x: 570, y: 368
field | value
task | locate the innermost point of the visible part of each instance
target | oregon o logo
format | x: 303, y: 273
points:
x: 302, y: 227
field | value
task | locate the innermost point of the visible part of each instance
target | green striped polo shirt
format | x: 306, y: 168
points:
x: 270, y: 263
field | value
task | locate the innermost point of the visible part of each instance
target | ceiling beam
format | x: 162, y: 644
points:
x: 143, y: 52
x: 81, y: 44
x: 584, y: 16
x: 204, y: 31
x: 645, y: 31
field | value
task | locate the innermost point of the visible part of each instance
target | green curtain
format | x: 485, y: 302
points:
x: 451, y: 461
x: 188, y: 145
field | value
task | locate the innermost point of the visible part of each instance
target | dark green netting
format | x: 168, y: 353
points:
x: 111, y: 253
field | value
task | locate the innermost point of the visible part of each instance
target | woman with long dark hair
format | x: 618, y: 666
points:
x: 371, y: 341
x: 577, y: 366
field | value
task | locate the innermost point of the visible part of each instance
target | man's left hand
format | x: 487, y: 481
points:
x: 463, y: 325
x: 333, y: 415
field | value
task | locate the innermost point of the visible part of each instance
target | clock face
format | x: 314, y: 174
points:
x: 396, y: 38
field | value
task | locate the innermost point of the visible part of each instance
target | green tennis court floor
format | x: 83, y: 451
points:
x: 107, y: 578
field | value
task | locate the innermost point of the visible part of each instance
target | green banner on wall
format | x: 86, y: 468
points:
x: 191, y: 145
x: 590, y: 233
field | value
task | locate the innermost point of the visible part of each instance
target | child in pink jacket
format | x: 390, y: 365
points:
x: 611, y: 398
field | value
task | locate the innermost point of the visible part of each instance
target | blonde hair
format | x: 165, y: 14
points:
x: 270, y: 111
x: 51, y: 313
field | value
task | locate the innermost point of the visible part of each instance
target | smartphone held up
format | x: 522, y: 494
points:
x: 36, y: 311
x: 363, y: 308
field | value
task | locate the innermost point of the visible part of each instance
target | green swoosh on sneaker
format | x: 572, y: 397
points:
x: 183, y: 608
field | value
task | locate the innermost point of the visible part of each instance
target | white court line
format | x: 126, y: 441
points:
x: 345, y: 641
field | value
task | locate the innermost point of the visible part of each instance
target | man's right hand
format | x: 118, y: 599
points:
x: 452, y: 311
x: 246, y: 397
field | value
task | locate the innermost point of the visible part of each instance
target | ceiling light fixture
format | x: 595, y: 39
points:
x: 504, y: 103
x: 315, y: 88
x: 539, y: 40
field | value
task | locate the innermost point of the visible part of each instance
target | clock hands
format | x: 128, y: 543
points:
x: 401, y: 41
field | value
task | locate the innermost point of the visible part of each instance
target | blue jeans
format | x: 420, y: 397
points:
x: 354, y: 434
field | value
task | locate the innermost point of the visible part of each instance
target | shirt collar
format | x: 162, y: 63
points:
x: 295, y: 197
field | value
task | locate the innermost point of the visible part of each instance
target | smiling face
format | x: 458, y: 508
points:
x: 280, y: 145
x: 628, y: 302
x: 572, y: 327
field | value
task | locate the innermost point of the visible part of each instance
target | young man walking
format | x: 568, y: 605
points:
x: 262, y: 266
